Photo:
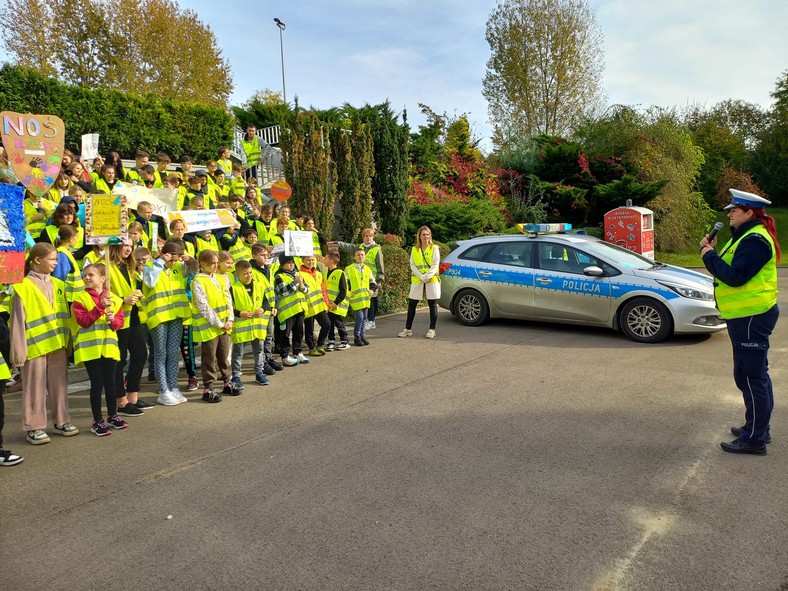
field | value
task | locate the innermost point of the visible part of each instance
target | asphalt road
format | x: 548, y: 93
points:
x: 513, y: 456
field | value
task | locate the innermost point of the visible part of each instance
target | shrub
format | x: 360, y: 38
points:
x: 394, y: 295
x: 455, y: 221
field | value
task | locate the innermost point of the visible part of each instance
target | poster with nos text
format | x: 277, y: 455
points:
x: 106, y: 220
x: 12, y: 234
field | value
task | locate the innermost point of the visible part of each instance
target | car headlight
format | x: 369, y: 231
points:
x: 689, y: 292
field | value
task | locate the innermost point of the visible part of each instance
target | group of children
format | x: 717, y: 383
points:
x: 156, y: 298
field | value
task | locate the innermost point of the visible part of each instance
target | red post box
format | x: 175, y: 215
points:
x: 631, y: 228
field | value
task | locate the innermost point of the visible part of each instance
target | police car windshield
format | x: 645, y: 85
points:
x: 617, y: 255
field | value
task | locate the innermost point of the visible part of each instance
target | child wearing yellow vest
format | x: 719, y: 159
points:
x: 316, y: 307
x: 67, y: 269
x: 289, y: 288
x: 360, y: 284
x: 253, y: 305
x: 336, y: 290
x: 98, y: 315
x: 39, y: 335
x: 212, y: 323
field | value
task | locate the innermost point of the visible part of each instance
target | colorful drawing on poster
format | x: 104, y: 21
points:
x: 106, y: 220
x: 34, y: 144
x: 12, y: 234
x: 281, y: 191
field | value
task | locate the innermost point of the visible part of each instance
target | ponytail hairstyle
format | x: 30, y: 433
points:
x: 39, y: 251
x: 758, y: 213
x: 64, y: 235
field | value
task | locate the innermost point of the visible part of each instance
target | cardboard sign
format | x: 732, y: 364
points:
x: 162, y: 200
x: 106, y: 220
x: 281, y: 191
x: 12, y: 234
x: 34, y: 144
x: 299, y: 244
x: 200, y: 220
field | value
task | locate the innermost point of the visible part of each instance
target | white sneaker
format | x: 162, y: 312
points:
x: 302, y: 359
x: 367, y: 325
x: 179, y: 395
x: 405, y: 332
x: 430, y: 333
x: 372, y: 325
x: 167, y: 398
x: 289, y: 361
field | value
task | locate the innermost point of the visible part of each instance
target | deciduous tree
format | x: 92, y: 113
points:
x: 545, y: 66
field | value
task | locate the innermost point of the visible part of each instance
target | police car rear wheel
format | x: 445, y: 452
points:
x: 471, y: 308
x: 646, y: 321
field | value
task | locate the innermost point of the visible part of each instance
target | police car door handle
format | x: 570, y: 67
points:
x: 544, y: 280
x: 485, y: 273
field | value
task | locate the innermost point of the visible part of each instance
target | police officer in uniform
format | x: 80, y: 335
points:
x: 745, y: 273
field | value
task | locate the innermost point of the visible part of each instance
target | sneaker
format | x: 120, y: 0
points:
x: 142, y: 405
x: 211, y: 396
x: 331, y: 347
x: 315, y: 352
x: 406, y: 332
x: 372, y: 325
x: 166, y: 398
x: 9, y: 459
x: 367, y: 325
x: 237, y: 383
x: 178, y: 395
x: 430, y: 333
x: 364, y: 340
x: 358, y: 342
x: 261, y: 379
x: 302, y: 359
x: 193, y: 385
x: 321, y: 350
x: 275, y: 364
x: 37, y: 437
x: 268, y: 370
x: 230, y: 389
x: 290, y: 361
x: 14, y: 384
x: 342, y: 346
x: 100, y: 428
x: 66, y: 430
x: 130, y: 410
x: 116, y: 422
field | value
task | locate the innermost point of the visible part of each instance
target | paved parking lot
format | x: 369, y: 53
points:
x: 510, y: 456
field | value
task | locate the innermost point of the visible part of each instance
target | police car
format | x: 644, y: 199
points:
x: 548, y: 274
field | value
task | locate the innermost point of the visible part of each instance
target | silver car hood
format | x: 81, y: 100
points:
x: 680, y: 275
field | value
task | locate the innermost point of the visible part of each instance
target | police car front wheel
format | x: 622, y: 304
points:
x: 471, y: 308
x: 646, y: 321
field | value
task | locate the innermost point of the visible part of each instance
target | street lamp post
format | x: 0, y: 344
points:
x: 281, y: 27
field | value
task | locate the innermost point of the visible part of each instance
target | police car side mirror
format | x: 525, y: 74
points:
x: 593, y: 271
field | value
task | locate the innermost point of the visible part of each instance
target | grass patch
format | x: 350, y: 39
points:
x: 692, y: 258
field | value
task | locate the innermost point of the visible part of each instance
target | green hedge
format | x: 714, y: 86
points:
x: 125, y: 122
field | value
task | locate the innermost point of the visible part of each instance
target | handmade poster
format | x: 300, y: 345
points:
x: 299, y: 244
x: 34, y: 144
x: 200, y: 220
x: 281, y: 191
x: 162, y: 200
x: 12, y: 234
x: 106, y: 220
x: 90, y: 144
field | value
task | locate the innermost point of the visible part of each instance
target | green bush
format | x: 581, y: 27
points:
x: 455, y: 221
x: 394, y: 295
x: 125, y: 122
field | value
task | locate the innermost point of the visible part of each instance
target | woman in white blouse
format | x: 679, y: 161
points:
x: 424, y: 280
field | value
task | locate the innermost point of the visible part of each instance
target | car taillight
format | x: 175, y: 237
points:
x: 443, y: 267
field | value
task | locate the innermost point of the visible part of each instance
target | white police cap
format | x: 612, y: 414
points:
x: 749, y: 199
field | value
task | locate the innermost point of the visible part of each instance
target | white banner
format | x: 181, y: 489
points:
x: 200, y: 220
x: 162, y: 200
x: 299, y: 244
x: 90, y: 143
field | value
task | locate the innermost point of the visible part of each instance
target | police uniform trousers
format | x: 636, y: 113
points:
x: 750, y: 339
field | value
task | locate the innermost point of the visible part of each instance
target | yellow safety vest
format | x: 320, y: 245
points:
x: 249, y: 329
x: 332, y: 289
x: 756, y: 296
x: 74, y: 283
x: 102, y: 186
x: 52, y: 232
x: 202, y: 330
x: 371, y: 258
x: 46, y: 325
x: 292, y: 304
x: 358, y: 286
x: 122, y: 288
x: 423, y: 261
x: 167, y: 299
x: 201, y: 244
x: 133, y: 176
x: 35, y: 228
x: 252, y: 150
x: 92, y: 257
x: 315, y: 303
x: 5, y: 373
x: 239, y: 251
x: 97, y: 340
